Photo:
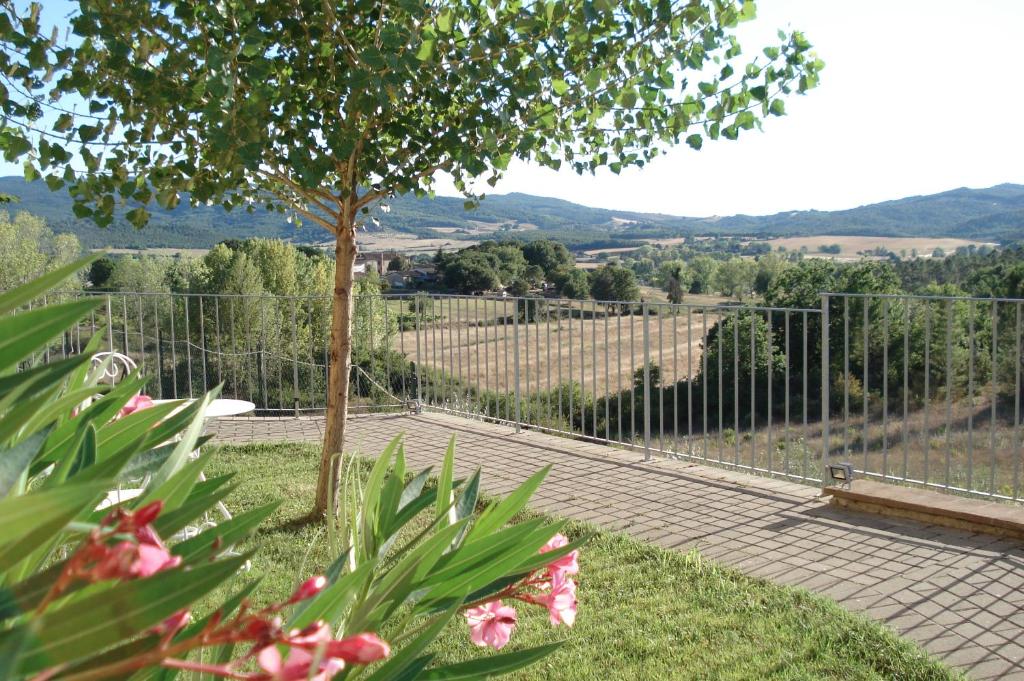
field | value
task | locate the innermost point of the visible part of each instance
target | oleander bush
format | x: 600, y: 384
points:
x: 92, y: 589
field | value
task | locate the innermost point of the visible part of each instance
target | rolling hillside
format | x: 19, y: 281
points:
x: 995, y: 214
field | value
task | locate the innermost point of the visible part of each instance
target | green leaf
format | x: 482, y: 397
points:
x: 331, y: 603
x: 88, y: 624
x: 489, y: 666
x: 223, y: 535
x: 23, y: 333
x: 64, y: 123
x: 777, y: 107
x: 406, y: 657
x: 31, y: 520
x: 426, y: 50
x: 444, y: 482
x: 559, y: 86
x: 14, y: 462
x: 495, y: 516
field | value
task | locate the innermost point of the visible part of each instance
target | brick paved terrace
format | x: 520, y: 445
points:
x: 957, y: 594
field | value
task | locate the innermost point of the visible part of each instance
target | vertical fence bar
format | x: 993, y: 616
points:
x: 607, y: 382
x: 159, y: 357
x: 558, y: 320
x: 970, y: 395
x: 202, y: 341
x: 419, y: 351
x: 689, y: 378
x: 295, y: 359
x: 675, y: 377
x: 786, y: 418
x: 806, y: 448
x: 824, y: 390
x: 593, y: 367
x: 866, y: 406
x: 174, y: 353
x: 1017, y: 387
x: 885, y: 389
x: 995, y: 400
x: 547, y: 356
x: 220, y: 349
x: 949, y: 390
x: 583, y: 370
x: 515, y: 343
x: 753, y: 390
x: 771, y: 412
x: 735, y: 380
x: 661, y: 389
x: 188, y: 348
x: 618, y: 369
x: 572, y: 415
x: 906, y: 386
x: 721, y: 397
x: 647, y: 383
x: 846, y: 377
x: 927, y: 386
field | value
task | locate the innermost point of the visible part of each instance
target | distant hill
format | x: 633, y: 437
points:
x: 993, y: 214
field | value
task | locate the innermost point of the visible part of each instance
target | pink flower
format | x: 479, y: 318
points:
x: 173, y: 624
x: 561, y: 600
x: 359, y: 649
x: 315, y: 641
x: 136, y: 403
x: 491, y: 624
x: 300, y: 658
x: 567, y: 564
x: 309, y: 588
x: 151, y: 559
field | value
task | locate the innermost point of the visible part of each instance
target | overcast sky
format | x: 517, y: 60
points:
x: 918, y: 96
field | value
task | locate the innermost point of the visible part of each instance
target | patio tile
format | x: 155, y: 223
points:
x: 960, y: 595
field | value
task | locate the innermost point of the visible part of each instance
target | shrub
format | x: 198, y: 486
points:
x: 95, y: 594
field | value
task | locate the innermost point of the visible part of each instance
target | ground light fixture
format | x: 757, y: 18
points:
x: 841, y: 474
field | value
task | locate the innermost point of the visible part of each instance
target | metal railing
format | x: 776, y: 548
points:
x: 909, y: 389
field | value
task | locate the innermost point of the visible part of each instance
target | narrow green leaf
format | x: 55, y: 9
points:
x: 80, y: 628
x: 31, y: 520
x: 491, y: 665
x: 444, y: 482
x: 14, y: 462
x: 11, y: 300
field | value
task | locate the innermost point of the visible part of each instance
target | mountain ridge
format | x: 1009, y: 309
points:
x: 993, y: 213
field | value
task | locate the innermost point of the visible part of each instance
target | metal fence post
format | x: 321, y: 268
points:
x: 419, y: 356
x: 295, y: 361
x: 647, y: 383
x: 515, y: 360
x: 824, y: 390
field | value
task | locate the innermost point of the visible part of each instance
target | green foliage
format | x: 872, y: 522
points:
x: 613, y: 282
x: 475, y: 90
x: 62, y: 451
x: 28, y: 248
x: 572, y: 283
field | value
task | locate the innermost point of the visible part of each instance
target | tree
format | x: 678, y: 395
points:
x: 99, y: 272
x: 28, y: 248
x: 572, y: 283
x: 675, y: 279
x: 614, y: 282
x: 399, y: 263
x: 703, y: 268
x: 736, y: 277
x: 321, y: 109
x: 547, y: 255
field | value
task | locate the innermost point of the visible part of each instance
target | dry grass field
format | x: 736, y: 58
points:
x: 852, y: 246
x: 598, y: 349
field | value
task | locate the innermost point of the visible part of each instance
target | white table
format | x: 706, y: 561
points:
x: 216, y: 409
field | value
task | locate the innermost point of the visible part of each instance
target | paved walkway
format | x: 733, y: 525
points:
x: 960, y: 595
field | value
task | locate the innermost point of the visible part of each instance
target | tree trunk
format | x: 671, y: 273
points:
x: 338, y: 371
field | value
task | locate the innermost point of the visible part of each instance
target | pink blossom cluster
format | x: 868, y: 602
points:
x: 491, y: 623
x: 125, y: 546
x: 310, y: 653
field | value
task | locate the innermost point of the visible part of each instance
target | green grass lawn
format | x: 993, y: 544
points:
x: 644, y: 612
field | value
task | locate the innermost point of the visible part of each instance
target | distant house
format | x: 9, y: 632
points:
x: 416, y: 277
